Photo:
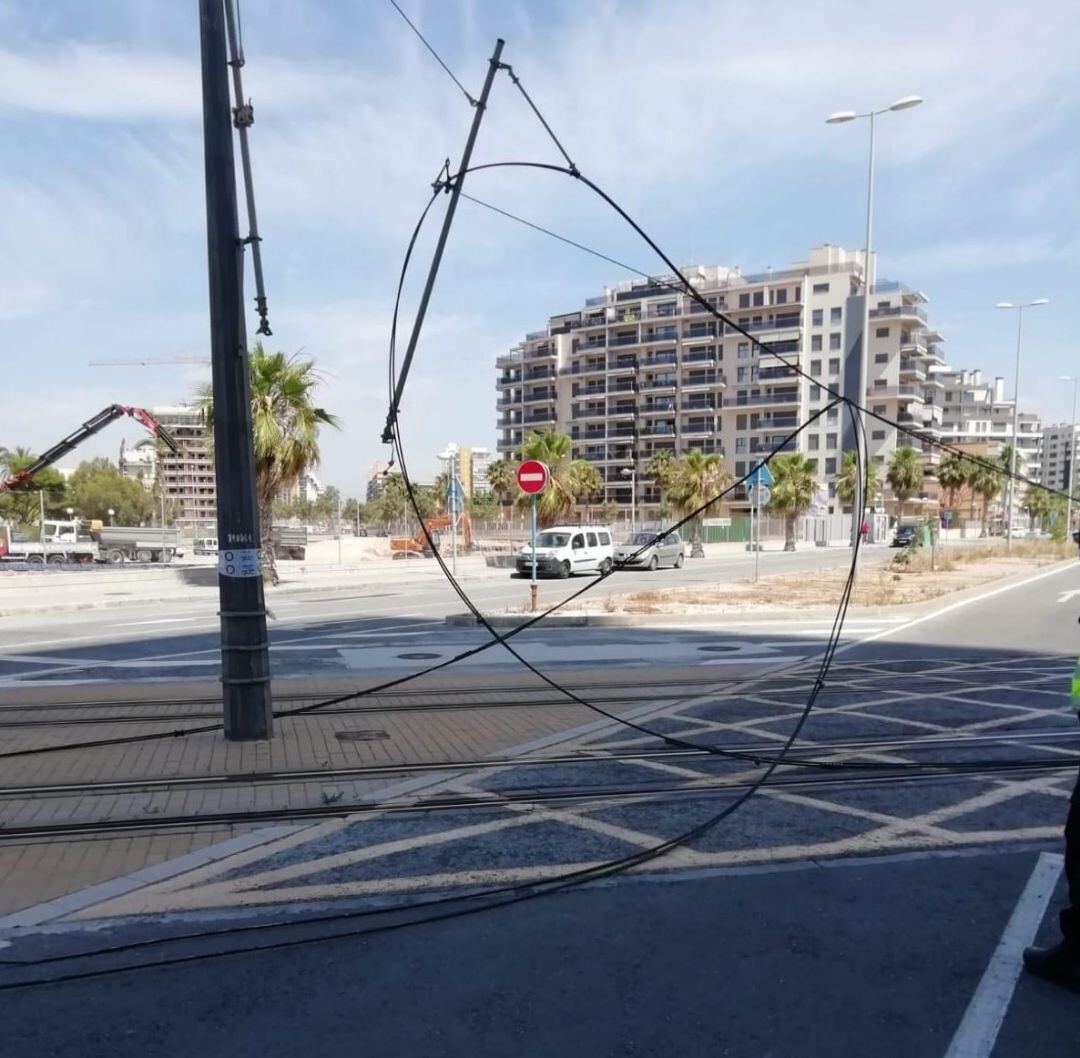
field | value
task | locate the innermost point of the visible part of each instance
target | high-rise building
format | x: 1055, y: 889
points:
x: 140, y: 462
x: 977, y: 416
x: 307, y: 489
x: 376, y: 481
x: 1061, y: 457
x: 644, y: 368
x: 187, y: 476
x: 471, y: 463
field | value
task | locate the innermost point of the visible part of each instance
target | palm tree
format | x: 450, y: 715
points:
x: 285, y: 427
x: 952, y: 476
x: 847, y: 479
x: 585, y: 481
x: 661, y: 468
x: 793, y: 490
x: 905, y: 475
x: 554, y: 449
x: 694, y: 484
x: 501, y: 478
x: 985, y: 482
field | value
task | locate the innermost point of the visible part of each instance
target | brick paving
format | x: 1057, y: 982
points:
x: 36, y: 870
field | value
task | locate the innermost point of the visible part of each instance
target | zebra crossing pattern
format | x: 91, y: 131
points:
x: 607, y: 791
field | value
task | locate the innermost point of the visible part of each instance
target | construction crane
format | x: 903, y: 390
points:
x: 151, y: 361
x: 88, y: 429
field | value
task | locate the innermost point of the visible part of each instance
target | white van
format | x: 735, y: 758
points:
x: 564, y: 550
x: 206, y: 545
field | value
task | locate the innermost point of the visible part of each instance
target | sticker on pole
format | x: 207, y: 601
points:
x: 533, y: 477
x: 243, y: 562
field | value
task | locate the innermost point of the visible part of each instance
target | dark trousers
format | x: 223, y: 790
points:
x: 1070, y: 917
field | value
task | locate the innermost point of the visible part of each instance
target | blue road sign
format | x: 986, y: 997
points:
x: 760, y: 475
x: 455, y: 495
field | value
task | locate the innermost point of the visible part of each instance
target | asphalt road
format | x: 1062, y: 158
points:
x: 861, y: 917
x: 152, y: 640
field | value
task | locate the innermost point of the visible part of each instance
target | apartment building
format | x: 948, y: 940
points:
x: 976, y: 415
x: 187, y: 476
x: 139, y: 462
x: 306, y: 489
x: 1060, y: 449
x: 643, y: 368
x: 470, y: 463
x: 376, y: 480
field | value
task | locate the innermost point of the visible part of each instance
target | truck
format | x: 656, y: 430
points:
x: 118, y: 543
x: 289, y: 541
x: 15, y: 547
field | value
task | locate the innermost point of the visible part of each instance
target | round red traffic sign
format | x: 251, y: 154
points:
x: 533, y: 476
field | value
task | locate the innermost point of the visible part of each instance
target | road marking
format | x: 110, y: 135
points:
x: 982, y: 597
x: 1065, y: 596
x: 159, y: 621
x: 979, y: 1029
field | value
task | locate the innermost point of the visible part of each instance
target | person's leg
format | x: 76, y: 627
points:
x: 1070, y: 916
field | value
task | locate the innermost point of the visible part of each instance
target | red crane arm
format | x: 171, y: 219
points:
x: 88, y: 429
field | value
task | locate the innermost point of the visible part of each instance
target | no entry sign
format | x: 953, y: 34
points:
x: 533, y: 477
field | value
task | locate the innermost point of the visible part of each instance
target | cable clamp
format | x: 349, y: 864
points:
x: 244, y: 115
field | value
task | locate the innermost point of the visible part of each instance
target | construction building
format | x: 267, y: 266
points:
x: 187, y: 476
x: 643, y: 368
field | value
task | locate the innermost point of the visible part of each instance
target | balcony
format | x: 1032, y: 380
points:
x: 624, y: 339
x: 661, y: 334
x: 900, y: 311
x: 699, y: 405
x: 511, y: 359
x: 658, y: 312
x: 764, y: 445
x: 507, y: 402
x: 776, y: 422
x: 660, y: 407
x: 698, y: 429
x: 776, y: 374
x: 700, y: 330
x: 746, y: 399
x: 593, y: 321
x: 583, y: 345
x: 622, y: 411
x: 702, y: 380
x: 912, y: 369
x: 541, y: 352
x: 539, y: 418
x: 699, y: 356
x: 658, y: 383
x: 622, y: 385
x: 545, y: 396
x: 659, y: 429
x: 539, y: 373
x: 590, y: 433
x: 506, y: 421
x: 599, y: 412
x: 591, y: 368
x: 622, y: 431
x: 661, y: 360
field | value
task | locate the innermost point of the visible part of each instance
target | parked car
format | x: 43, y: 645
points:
x: 205, y: 545
x: 905, y: 535
x: 651, y: 551
x: 564, y: 550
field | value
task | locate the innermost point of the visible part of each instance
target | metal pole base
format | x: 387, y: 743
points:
x: 532, y: 597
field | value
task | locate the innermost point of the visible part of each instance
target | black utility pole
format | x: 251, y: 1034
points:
x: 245, y: 658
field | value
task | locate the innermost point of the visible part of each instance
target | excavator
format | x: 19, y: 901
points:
x: 88, y: 429
x: 417, y: 546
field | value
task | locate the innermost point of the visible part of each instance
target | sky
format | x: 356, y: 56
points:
x: 704, y: 119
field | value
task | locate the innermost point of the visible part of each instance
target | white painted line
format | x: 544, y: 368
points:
x: 977, y: 1034
x: 982, y: 597
x: 159, y: 621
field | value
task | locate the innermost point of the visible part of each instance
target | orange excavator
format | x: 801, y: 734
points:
x: 417, y: 546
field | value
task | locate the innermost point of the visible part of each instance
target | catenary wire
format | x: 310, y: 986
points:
x: 438, y: 57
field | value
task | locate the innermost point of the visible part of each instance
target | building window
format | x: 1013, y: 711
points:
x: 815, y: 368
x: 815, y: 343
x: 813, y: 442
x: 836, y: 314
x: 877, y: 435
x: 880, y: 383
x: 740, y: 422
x: 740, y: 374
x: 821, y: 288
x: 834, y: 341
x: 881, y: 358
x: 830, y: 465
x: 830, y: 440
x: 759, y: 297
x: 744, y: 350
x: 817, y: 317
x: 744, y: 301
x: 880, y: 409
x: 815, y: 392
x: 881, y: 332
x: 740, y: 468
x: 781, y: 296
x: 832, y: 415
x: 740, y: 444
x: 834, y: 365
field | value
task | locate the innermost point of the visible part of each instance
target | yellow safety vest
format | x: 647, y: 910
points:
x: 1076, y: 686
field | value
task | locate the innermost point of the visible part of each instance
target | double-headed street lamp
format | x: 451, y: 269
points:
x: 839, y: 118
x: 1010, y: 501
x: 1070, y: 476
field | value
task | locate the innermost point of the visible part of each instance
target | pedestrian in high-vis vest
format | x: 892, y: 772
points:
x: 1061, y: 963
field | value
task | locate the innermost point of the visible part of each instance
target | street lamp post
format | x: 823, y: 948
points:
x: 631, y: 473
x: 111, y: 513
x: 1070, y: 477
x: 1011, y: 495
x: 839, y: 118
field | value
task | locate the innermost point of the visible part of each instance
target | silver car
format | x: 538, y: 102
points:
x: 650, y: 551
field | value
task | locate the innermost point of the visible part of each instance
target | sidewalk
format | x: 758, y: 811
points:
x: 391, y: 731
